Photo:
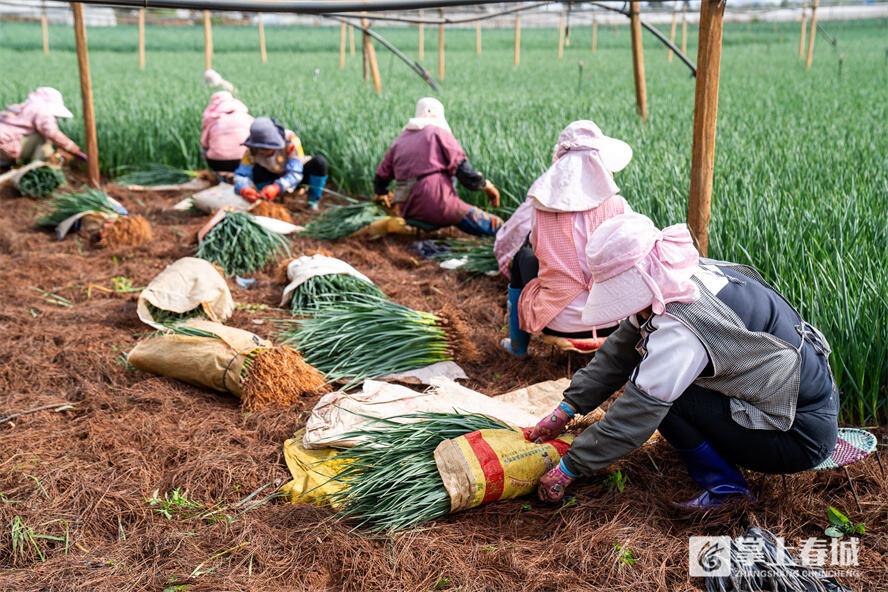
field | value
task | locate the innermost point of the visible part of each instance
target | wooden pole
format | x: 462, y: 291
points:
x: 208, y: 40
x: 672, y: 34
x: 351, y: 40
x: 802, y: 32
x: 561, y: 36
x: 421, y: 39
x: 89, y: 114
x: 364, y: 57
x: 370, y: 53
x: 477, y: 38
x: 517, y: 39
x: 141, y: 39
x: 705, y: 117
x: 343, y: 33
x: 441, y: 58
x: 44, y: 30
x: 684, y: 30
x: 638, y: 61
x: 812, y: 35
x: 594, y: 33
x: 263, y: 53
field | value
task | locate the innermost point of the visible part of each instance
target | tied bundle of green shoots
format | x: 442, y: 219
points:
x: 341, y: 221
x: 66, y: 205
x: 391, y: 479
x: 40, y: 181
x: 477, y: 253
x: 369, y: 337
x: 240, y: 245
x: 331, y: 290
x: 152, y: 174
x: 170, y: 319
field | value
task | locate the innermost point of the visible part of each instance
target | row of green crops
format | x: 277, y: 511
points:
x: 801, y: 181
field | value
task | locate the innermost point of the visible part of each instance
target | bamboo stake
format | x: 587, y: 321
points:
x: 263, y: 53
x: 705, y: 118
x: 343, y: 33
x: 561, y: 36
x: 441, y: 57
x: 44, y: 30
x: 89, y: 114
x: 208, y: 40
x: 370, y: 53
x: 477, y: 38
x: 351, y: 40
x: 638, y: 61
x: 364, y: 57
x: 812, y: 35
x: 141, y: 39
x: 594, y: 33
x: 421, y: 39
x: 802, y: 32
x: 672, y: 34
x: 684, y: 29
x: 517, y: 39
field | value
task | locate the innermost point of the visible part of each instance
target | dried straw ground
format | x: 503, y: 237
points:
x: 83, y: 475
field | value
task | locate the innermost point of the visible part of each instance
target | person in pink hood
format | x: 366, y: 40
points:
x: 29, y: 129
x: 549, y: 277
x: 225, y: 127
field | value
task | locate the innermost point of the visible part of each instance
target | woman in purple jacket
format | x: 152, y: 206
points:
x: 423, y: 161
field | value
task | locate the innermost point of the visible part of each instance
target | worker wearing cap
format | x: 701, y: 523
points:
x: 28, y: 130
x: 423, y: 162
x: 708, y: 353
x: 549, y: 276
x: 274, y: 163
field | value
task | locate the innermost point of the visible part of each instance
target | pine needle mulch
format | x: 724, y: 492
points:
x: 83, y: 475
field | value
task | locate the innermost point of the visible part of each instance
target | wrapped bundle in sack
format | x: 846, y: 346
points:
x: 490, y: 465
x: 98, y: 217
x: 342, y: 221
x: 218, y: 197
x: 188, y: 288
x: 468, y: 255
x: 231, y: 360
x: 39, y: 181
x: 241, y: 243
x: 152, y: 174
x: 320, y: 281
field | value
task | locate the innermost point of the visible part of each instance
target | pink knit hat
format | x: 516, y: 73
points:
x: 634, y: 265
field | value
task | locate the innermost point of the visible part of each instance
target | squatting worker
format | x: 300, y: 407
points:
x: 549, y: 277
x: 274, y: 163
x: 28, y: 130
x: 224, y: 128
x: 423, y: 161
x: 708, y: 353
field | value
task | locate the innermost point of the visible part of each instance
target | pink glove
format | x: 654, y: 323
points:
x: 555, y: 483
x: 553, y: 424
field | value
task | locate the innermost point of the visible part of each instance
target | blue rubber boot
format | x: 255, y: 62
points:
x: 721, y: 481
x: 518, y: 340
x: 315, y: 190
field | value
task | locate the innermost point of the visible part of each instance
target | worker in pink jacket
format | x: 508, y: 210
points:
x: 29, y: 129
x: 224, y: 128
x: 550, y: 279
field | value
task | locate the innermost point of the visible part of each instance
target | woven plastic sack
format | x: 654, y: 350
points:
x: 215, y: 363
x: 313, y: 472
x: 184, y: 285
x: 218, y: 197
x: 490, y: 465
x: 303, y: 268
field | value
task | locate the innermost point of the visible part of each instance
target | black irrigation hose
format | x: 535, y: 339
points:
x: 446, y: 20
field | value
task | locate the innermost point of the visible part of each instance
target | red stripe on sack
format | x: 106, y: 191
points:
x: 560, y: 445
x: 494, y: 476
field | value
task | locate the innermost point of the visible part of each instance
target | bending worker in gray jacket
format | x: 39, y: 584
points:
x: 708, y: 353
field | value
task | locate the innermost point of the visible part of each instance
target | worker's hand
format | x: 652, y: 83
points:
x: 250, y: 194
x: 385, y: 199
x: 553, y: 424
x: 81, y: 155
x: 271, y: 191
x: 493, y: 194
x: 553, y: 485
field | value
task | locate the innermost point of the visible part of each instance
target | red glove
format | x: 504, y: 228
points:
x: 271, y: 191
x: 250, y: 194
x: 554, y: 484
x: 553, y: 424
